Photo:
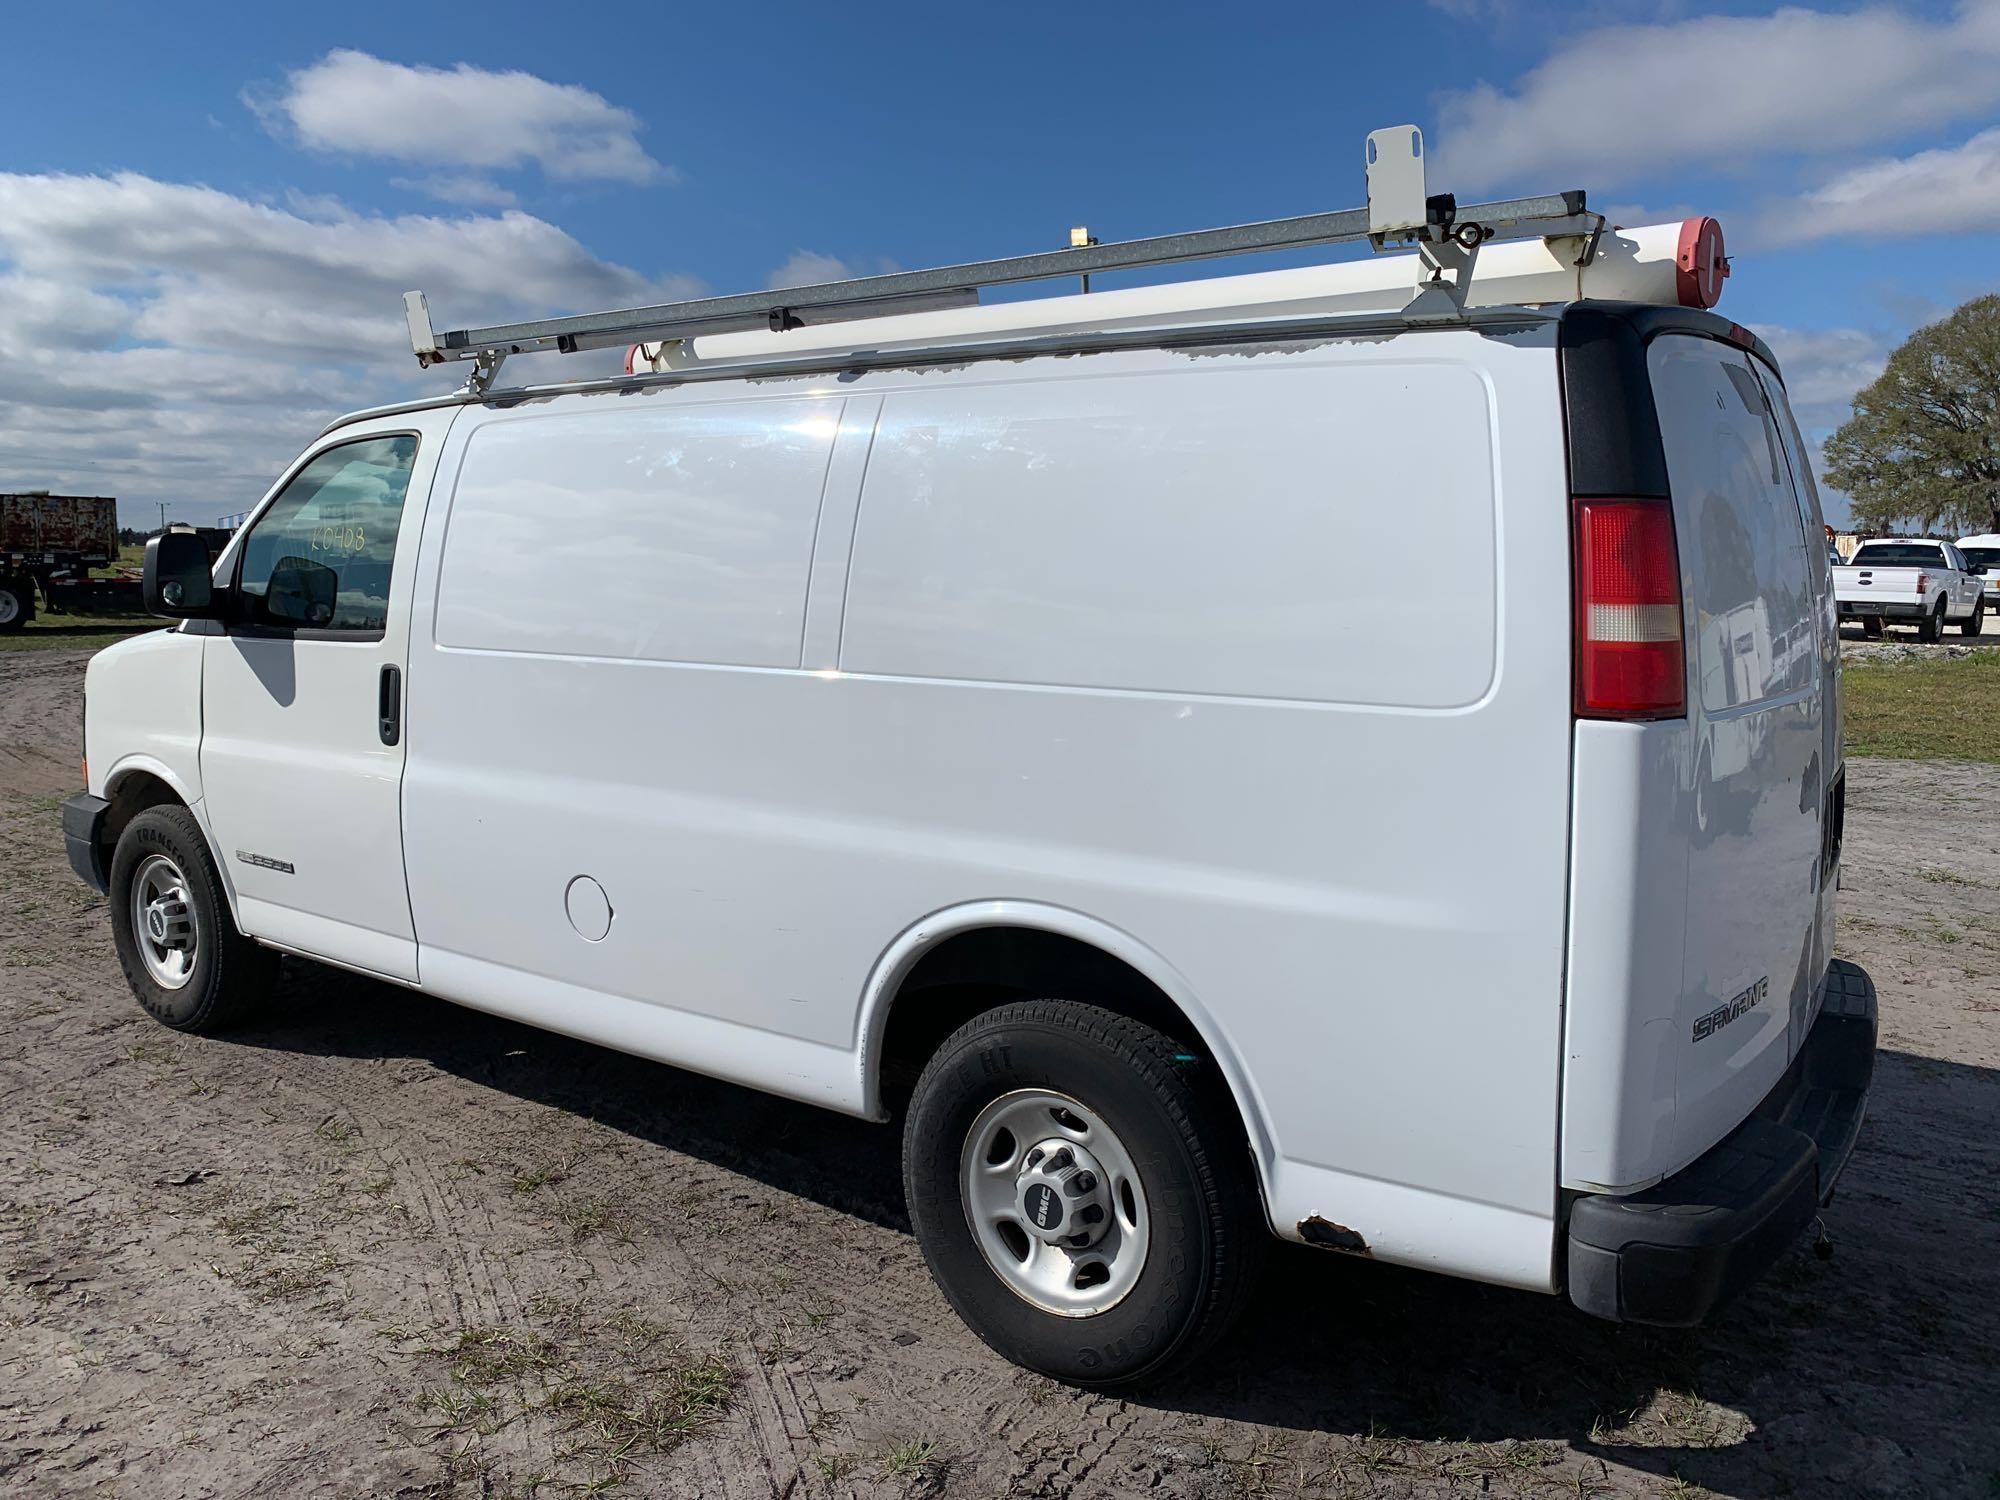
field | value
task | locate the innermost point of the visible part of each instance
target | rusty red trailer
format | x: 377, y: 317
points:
x: 43, y: 534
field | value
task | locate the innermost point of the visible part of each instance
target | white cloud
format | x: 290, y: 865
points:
x: 806, y: 267
x: 1721, y: 92
x: 352, y: 102
x: 1824, y: 368
x: 169, y: 341
x: 809, y: 267
x: 1954, y: 188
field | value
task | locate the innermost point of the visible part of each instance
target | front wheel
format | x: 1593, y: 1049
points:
x: 1078, y: 1184
x: 187, y: 964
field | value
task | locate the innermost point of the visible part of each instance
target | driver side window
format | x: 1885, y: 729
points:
x: 319, y: 558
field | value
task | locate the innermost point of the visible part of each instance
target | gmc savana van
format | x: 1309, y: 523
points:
x: 1031, y: 721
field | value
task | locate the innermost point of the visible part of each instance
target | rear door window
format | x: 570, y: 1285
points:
x: 1899, y: 555
x: 1742, y: 536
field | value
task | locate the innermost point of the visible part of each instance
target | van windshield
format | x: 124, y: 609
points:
x: 1899, y: 555
x: 1982, y: 557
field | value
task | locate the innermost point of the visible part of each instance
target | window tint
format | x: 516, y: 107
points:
x: 1983, y: 557
x: 1900, y: 555
x: 1740, y: 524
x: 319, y: 557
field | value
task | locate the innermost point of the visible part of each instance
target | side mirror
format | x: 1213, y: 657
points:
x: 302, y: 592
x: 177, y: 577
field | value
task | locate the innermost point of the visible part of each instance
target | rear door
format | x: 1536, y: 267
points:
x: 1759, y: 755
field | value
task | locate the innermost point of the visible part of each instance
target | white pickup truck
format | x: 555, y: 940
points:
x: 1922, y: 583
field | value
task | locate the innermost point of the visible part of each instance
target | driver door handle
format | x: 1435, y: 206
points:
x: 390, y: 720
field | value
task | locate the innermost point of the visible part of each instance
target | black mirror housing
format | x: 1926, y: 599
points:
x: 177, y: 582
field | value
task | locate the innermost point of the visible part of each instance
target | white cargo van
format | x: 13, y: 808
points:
x: 989, y: 717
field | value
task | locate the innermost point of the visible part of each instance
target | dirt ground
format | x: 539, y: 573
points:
x: 381, y: 1246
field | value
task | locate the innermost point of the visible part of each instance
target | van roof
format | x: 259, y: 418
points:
x: 1225, y: 310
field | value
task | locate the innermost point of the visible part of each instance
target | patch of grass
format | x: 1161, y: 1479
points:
x: 908, y: 1460
x: 1945, y: 877
x: 534, y: 1179
x: 1944, y: 709
x: 655, y: 1415
x: 586, y: 1218
x: 283, y: 1282
x: 499, y: 1375
x: 262, y: 1221
x: 47, y: 632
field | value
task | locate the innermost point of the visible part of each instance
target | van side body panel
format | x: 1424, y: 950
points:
x: 1350, y: 855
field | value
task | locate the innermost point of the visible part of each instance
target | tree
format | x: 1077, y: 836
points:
x: 1923, y: 444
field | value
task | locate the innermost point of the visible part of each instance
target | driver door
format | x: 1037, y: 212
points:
x: 301, y: 751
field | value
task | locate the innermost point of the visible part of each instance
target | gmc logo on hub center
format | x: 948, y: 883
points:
x: 1044, y: 1207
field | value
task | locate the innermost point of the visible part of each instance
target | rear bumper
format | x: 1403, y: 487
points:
x: 1674, y: 1253
x: 83, y: 820
x: 1858, y: 610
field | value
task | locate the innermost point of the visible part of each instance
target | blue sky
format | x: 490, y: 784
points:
x: 185, y: 189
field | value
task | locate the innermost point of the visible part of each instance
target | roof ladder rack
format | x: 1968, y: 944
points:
x: 1399, y: 215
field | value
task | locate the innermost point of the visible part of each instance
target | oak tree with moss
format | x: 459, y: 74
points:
x: 1923, y: 446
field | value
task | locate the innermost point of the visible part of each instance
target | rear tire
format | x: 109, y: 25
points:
x: 1975, y: 622
x: 188, y: 966
x: 17, y: 603
x: 1871, y: 626
x: 1931, y: 629
x: 1155, y: 1159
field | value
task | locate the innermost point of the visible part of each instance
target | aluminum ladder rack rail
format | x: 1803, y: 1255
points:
x: 1446, y: 236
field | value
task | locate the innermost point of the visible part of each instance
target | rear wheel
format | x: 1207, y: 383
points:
x: 1932, y: 626
x: 17, y: 603
x: 187, y: 964
x: 1975, y: 622
x: 1871, y: 626
x: 1076, y: 1182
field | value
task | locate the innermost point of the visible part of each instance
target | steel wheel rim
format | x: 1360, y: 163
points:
x: 165, y: 927
x: 9, y: 606
x: 992, y: 1167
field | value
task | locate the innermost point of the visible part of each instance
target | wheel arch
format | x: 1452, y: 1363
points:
x: 929, y: 981
x: 138, y: 782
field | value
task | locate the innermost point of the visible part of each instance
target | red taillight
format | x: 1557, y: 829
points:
x: 1923, y: 579
x: 1629, y: 661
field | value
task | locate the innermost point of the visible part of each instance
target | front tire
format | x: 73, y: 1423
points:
x: 1081, y: 1191
x: 188, y: 966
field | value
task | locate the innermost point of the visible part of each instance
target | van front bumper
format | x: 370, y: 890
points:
x: 1671, y: 1255
x: 83, y: 820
